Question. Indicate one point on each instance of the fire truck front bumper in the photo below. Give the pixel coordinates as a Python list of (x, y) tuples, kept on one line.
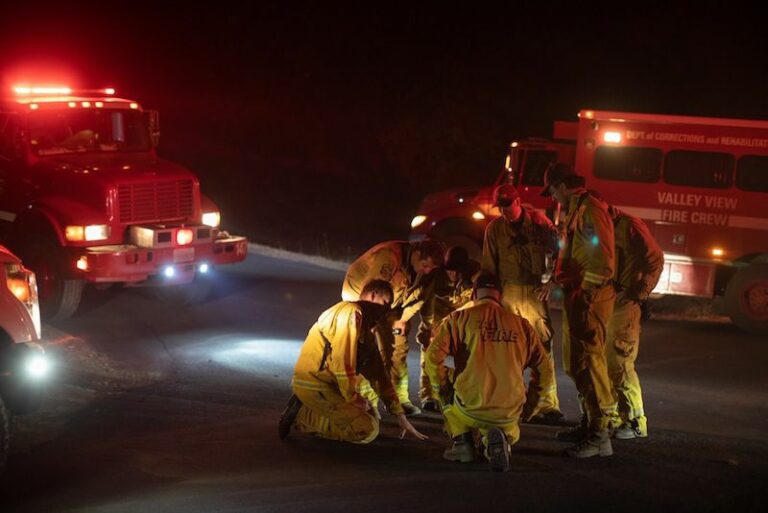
[(133, 264)]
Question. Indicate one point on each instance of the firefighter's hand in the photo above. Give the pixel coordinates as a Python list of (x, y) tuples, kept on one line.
[(544, 291), (407, 427), (400, 328)]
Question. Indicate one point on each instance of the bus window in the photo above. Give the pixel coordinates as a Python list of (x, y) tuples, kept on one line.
[(752, 173), (536, 164), (699, 169), (628, 164)]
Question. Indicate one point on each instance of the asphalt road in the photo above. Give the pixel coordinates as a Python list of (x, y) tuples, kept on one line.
[(160, 408)]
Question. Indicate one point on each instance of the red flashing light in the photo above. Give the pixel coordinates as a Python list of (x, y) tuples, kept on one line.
[(184, 236), (109, 91), (26, 90)]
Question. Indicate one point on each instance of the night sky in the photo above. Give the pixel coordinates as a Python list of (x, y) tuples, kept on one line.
[(319, 126)]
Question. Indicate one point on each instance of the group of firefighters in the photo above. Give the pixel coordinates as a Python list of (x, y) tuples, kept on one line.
[(482, 324)]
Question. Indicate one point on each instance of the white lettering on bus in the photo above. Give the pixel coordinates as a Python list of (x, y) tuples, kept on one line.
[(680, 199), (721, 202), (686, 217)]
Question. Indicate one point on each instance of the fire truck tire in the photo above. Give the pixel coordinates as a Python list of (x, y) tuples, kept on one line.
[(59, 296), (746, 299), (5, 433)]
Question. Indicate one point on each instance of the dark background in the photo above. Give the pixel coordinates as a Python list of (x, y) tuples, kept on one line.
[(319, 126)]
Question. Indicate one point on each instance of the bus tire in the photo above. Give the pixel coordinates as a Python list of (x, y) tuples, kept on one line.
[(746, 298)]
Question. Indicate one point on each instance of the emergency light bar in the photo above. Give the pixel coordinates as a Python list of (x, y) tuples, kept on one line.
[(59, 90)]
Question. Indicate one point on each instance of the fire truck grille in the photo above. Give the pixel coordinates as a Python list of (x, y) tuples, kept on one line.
[(158, 201)]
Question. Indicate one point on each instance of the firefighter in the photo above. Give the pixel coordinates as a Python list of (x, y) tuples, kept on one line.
[(639, 263), (404, 265), (491, 347), (340, 350), (451, 288), (516, 248), (585, 268)]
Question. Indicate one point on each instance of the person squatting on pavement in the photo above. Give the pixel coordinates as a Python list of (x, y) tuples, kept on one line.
[(450, 288), (639, 263), (516, 248), (403, 265), (585, 268), (491, 347), (339, 350)]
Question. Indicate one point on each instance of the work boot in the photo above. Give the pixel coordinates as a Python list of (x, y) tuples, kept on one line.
[(430, 405), (497, 451), (462, 449), (630, 430), (288, 417), (597, 443), (410, 409), (550, 418)]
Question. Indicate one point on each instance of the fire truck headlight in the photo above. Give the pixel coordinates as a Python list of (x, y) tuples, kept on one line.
[(203, 268), (212, 219), (717, 252), (477, 215), (96, 232), (169, 271), (418, 221)]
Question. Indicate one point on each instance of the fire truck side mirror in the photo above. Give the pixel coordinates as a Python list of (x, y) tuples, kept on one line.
[(153, 122)]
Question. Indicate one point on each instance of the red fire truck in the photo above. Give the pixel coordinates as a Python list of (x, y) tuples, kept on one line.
[(701, 184), (84, 198)]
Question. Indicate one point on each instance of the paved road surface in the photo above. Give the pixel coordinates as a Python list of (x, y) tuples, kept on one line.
[(158, 408)]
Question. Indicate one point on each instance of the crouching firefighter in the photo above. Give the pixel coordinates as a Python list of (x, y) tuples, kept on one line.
[(339, 355), (491, 346)]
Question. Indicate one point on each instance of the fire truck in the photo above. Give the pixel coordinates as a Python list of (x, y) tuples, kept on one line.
[(85, 199), (701, 184)]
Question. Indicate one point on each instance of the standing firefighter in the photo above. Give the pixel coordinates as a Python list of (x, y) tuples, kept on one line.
[(639, 262), (340, 350), (450, 289), (515, 248), (585, 268), (403, 265), (491, 347)]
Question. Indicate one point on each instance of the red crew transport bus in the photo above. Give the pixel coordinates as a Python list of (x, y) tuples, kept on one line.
[(701, 184), (84, 199)]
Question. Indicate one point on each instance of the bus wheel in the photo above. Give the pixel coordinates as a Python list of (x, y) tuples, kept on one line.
[(746, 299)]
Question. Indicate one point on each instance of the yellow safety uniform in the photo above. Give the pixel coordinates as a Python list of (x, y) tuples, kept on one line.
[(491, 347), (443, 298), (516, 253), (585, 267), (390, 261), (639, 263), (338, 351)]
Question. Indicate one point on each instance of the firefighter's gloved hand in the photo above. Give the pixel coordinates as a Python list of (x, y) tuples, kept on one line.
[(361, 403), (400, 328), (407, 427)]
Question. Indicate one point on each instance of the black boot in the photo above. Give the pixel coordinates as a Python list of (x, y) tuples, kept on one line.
[(288, 417)]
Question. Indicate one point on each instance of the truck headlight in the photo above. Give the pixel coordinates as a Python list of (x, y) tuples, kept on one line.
[(37, 366), (76, 233), (212, 219), (418, 220)]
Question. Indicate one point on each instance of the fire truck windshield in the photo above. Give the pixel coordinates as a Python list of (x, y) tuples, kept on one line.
[(56, 132)]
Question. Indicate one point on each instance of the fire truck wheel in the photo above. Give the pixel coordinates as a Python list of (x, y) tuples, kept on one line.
[(59, 297), (5, 433), (746, 299)]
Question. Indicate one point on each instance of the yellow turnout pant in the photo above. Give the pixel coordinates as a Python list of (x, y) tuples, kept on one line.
[(458, 422), (622, 346), (327, 415)]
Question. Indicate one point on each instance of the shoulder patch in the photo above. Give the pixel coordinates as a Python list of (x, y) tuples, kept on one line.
[(386, 271)]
